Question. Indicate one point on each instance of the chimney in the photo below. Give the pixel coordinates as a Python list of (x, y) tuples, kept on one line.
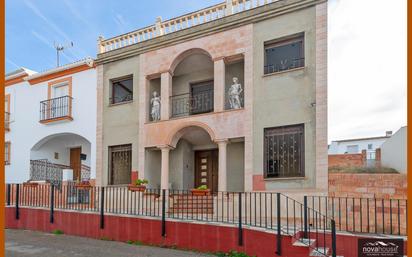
[(389, 133)]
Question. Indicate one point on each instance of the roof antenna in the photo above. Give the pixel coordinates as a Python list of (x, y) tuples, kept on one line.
[(59, 48)]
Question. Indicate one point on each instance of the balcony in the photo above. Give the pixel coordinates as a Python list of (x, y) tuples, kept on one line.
[(191, 104), (7, 121), (56, 109)]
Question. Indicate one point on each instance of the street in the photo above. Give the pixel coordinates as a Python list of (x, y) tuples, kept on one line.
[(21, 243)]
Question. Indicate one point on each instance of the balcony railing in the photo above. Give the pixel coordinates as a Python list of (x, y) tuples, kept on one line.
[(189, 20), (43, 170), (287, 64), (56, 108), (186, 104), (7, 121)]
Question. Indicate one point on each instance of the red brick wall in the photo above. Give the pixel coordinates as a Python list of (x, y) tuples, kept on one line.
[(368, 185), (346, 160)]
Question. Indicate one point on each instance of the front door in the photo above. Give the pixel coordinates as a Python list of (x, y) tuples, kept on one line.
[(75, 162), (206, 169)]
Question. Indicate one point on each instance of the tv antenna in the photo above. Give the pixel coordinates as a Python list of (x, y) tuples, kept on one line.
[(60, 48)]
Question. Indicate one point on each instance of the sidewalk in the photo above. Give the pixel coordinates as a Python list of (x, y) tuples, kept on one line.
[(21, 243)]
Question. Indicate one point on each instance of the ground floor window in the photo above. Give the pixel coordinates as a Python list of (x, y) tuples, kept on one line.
[(120, 164), (7, 146), (284, 151)]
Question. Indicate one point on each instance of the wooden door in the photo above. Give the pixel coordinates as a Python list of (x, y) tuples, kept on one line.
[(75, 162), (206, 169)]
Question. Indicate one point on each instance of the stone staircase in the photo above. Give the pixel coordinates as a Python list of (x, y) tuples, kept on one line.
[(188, 204), (310, 244)]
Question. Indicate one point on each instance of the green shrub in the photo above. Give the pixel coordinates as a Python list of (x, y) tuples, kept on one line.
[(58, 232), (232, 254), (203, 187)]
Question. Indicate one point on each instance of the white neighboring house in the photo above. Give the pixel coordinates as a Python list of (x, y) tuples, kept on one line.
[(351, 146), (51, 123), (394, 151)]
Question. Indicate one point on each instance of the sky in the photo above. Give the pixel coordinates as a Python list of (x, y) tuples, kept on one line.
[(366, 54)]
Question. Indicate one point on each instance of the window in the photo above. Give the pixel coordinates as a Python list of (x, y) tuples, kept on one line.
[(7, 150), (352, 149), (7, 113), (284, 54), (120, 164), (284, 151), (122, 90), (370, 146)]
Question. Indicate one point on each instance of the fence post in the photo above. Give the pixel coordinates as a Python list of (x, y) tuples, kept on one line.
[(279, 231), (163, 212), (333, 224), (102, 207), (52, 203), (8, 194), (305, 216), (17, 201), (240, 230)]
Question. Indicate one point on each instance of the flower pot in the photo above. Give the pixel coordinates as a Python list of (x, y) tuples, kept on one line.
[(30, 184), (200, 192), (135, 188), (83, 186)]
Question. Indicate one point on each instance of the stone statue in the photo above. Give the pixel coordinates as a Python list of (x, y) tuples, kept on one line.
[(234, 94), (155, 103)]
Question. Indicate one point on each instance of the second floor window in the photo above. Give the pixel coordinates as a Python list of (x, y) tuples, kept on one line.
[(284, 54), (122, 90)]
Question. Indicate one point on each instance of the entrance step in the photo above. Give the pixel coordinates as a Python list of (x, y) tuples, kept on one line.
[(320, 251)]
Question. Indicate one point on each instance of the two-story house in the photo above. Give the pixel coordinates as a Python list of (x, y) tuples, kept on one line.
[(233, 97), (51, 123)]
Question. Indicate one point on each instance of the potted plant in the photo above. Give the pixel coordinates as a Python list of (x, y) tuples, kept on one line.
[(83, 185), (30, 184), (200, 191), (139, 185)]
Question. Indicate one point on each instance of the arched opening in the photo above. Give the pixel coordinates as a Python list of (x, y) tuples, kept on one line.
[(192, 85), (193, 161), (61, 157)]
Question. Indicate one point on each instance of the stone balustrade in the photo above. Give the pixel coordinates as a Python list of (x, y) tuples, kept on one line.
[(182, 22)]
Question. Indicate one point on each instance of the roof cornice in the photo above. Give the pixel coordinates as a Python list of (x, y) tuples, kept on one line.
[(225, 23)]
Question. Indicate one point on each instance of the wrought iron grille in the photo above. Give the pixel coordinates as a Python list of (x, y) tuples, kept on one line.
[(85, 173), (43, 170), (187, 104), (120, 164), (284, 151), (56, 108)]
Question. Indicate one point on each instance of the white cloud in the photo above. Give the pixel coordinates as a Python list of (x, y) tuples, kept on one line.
[(367, 67)]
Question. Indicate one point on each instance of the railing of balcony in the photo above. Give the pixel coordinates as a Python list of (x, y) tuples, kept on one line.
[(189, 20), (287, 64), (55, 108), (7, 121), (43, 170), (187, 104)]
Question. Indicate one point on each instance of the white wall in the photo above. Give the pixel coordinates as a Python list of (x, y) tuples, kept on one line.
[(26, 131), (337, 147), (394, 151)]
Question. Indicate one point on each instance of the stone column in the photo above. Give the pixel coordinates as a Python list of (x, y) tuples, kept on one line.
[(229, 6), (222, 169), (219, 85), (165, 93), (164, 180)]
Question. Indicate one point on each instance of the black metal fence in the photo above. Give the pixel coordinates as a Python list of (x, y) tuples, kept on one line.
[(272, 211), (56, 108), (364, 215), (187, 104)]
